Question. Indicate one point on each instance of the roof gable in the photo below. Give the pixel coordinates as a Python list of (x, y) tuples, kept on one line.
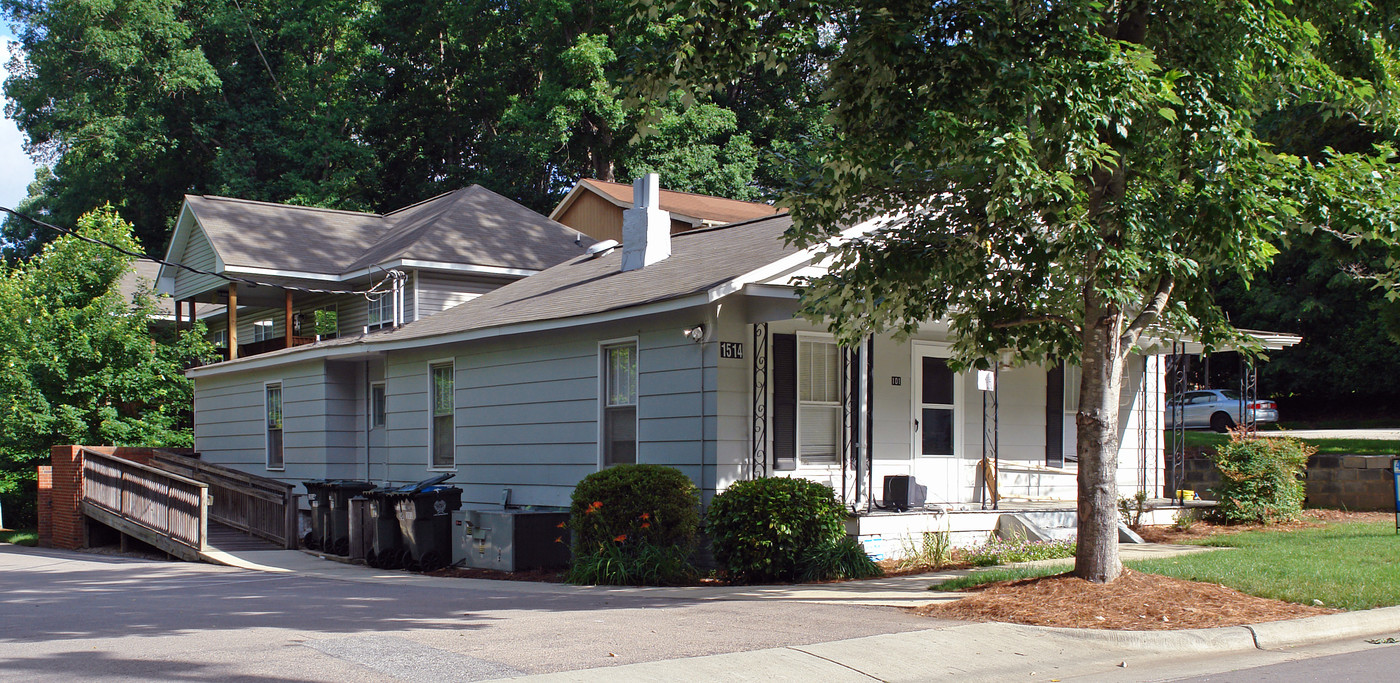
[(699, 207)]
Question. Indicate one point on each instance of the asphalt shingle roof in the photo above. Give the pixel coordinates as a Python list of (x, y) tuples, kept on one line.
[(704, 207), (472, 226)]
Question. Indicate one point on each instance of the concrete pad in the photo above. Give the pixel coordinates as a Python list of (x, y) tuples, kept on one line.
[(777, 664), (1279, 634)]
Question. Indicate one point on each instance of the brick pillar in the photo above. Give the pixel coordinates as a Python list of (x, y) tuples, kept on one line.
[(45, 506), (65, 512)]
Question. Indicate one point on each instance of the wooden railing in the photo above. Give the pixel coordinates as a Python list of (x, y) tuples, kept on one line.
[(172, 506), (257, 505)]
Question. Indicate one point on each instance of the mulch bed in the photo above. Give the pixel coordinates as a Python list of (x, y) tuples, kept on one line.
[(1135, 602)]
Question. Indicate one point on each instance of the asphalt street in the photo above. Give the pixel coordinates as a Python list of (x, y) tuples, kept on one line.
[(65, 615)]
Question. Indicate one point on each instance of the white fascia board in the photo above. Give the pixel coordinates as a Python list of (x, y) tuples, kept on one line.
[(371, 346), (771, 291), (401, 263), (789, 264), (165, 277)]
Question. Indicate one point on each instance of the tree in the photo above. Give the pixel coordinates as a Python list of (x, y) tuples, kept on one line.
[(81, 364), (1069, 178)]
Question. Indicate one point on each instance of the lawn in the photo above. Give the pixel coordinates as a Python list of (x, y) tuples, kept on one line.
[(19, 537), (1344, 565), (1195, 437)]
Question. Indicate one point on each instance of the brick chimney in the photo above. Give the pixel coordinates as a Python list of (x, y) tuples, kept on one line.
[(646, 229)]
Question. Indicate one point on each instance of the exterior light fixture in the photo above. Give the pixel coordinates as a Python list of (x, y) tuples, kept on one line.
[(695, 334)]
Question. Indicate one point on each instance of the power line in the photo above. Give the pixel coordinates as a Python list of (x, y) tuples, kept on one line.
[(391, 275)]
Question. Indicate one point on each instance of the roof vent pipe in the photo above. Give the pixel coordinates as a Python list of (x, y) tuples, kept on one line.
[(646, 229)]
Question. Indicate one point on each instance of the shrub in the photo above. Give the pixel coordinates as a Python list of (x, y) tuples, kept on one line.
[(1260, 479), (1005, 551), (628, 517), (616, 564), (844, 559), (765, 529), (928, 549)]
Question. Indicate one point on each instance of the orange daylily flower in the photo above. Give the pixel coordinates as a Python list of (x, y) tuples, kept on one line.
[(560, 525), (646, 515), (621, 538), (559, 539), (646, 524)]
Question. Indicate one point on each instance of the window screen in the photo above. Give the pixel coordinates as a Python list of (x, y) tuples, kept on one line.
[(444, 455), (619, 404), (818, 401), (273, 400)]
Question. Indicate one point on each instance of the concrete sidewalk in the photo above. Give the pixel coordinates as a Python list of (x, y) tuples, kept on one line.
[(899, 591), (993, 652)]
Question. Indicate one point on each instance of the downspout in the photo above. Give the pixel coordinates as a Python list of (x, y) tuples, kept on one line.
[(869, 422), (369, 419)]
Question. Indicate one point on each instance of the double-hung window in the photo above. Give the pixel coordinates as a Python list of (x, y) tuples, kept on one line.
[(443, 439), (619, 404), (262, 330), (381, 310), (818, 401), (273, 403), (1073, 374)]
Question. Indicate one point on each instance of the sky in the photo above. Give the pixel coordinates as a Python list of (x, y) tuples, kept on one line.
[(16, 169)]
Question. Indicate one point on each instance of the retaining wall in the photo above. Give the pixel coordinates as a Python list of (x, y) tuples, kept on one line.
[(1352, 482)]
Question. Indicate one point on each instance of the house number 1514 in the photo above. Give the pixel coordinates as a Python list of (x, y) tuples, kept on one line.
[(731, 350)]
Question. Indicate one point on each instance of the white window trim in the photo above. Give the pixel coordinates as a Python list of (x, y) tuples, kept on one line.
[(268, 324), (802, 464), (385, 404), (452, 363), (267, 457), (1069, 436), (603, 394), (918, 349)]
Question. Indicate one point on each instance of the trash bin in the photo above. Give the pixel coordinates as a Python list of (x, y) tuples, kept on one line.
[(330, 513), (385, 543), (425, 521)]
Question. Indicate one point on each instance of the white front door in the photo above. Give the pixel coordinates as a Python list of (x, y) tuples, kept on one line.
[(938, 419)]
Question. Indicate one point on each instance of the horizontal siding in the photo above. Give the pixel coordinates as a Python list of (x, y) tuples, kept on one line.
[(198, 253), (438, 292)]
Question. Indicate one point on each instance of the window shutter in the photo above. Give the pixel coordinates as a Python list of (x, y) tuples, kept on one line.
[(784, 401), (1055, 417)]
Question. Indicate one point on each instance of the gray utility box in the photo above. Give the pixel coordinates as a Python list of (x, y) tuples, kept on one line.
[(510, 540)]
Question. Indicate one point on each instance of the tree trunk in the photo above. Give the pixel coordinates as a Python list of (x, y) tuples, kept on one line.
[(1100, 384)]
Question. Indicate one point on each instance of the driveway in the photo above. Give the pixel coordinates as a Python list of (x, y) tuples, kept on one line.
[(65, 615)]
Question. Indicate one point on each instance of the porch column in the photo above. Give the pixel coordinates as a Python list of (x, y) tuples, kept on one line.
[(232, 321), (287, 337), (179, 315)]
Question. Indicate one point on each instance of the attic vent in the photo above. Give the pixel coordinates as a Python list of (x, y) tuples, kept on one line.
[(602, 248)]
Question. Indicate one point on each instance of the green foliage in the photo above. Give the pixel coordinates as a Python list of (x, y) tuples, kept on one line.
[(1260, 479), (362, 105), (617, 564), (930, 549), (627, 516), (327, 323), (1132, 510), (83, 365), (844, 559), (1005, 551), (21, 537), (766, 529)]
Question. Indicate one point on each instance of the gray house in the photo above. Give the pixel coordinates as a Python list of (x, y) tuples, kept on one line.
[(680, 350), (367, 271)]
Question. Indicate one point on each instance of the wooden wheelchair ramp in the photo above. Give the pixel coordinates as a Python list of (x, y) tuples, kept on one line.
[(187, 508)]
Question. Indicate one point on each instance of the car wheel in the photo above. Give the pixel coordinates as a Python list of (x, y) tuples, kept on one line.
[(1221, 422)]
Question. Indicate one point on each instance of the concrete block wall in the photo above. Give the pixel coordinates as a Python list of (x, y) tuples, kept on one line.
[(1352, 482)]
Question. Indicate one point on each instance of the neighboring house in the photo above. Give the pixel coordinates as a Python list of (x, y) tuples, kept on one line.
[(682, 351), (450, 249), (142, 278), (594, 208)]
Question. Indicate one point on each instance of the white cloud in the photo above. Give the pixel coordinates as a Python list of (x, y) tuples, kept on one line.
[(16, 169)]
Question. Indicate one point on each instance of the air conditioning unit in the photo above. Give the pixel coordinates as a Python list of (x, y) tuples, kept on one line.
[(903, 493), (510, 540)]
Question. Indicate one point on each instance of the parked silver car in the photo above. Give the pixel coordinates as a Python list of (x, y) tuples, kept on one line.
[(1218, 409)]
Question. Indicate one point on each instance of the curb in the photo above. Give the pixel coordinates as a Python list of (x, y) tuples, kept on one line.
[(1280, 634)]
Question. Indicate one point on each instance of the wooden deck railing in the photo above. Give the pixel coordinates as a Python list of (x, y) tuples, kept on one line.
[(257, 505), (170, 505)]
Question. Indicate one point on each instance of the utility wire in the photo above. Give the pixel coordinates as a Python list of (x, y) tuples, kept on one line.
[(392, 275), (258, 47)]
